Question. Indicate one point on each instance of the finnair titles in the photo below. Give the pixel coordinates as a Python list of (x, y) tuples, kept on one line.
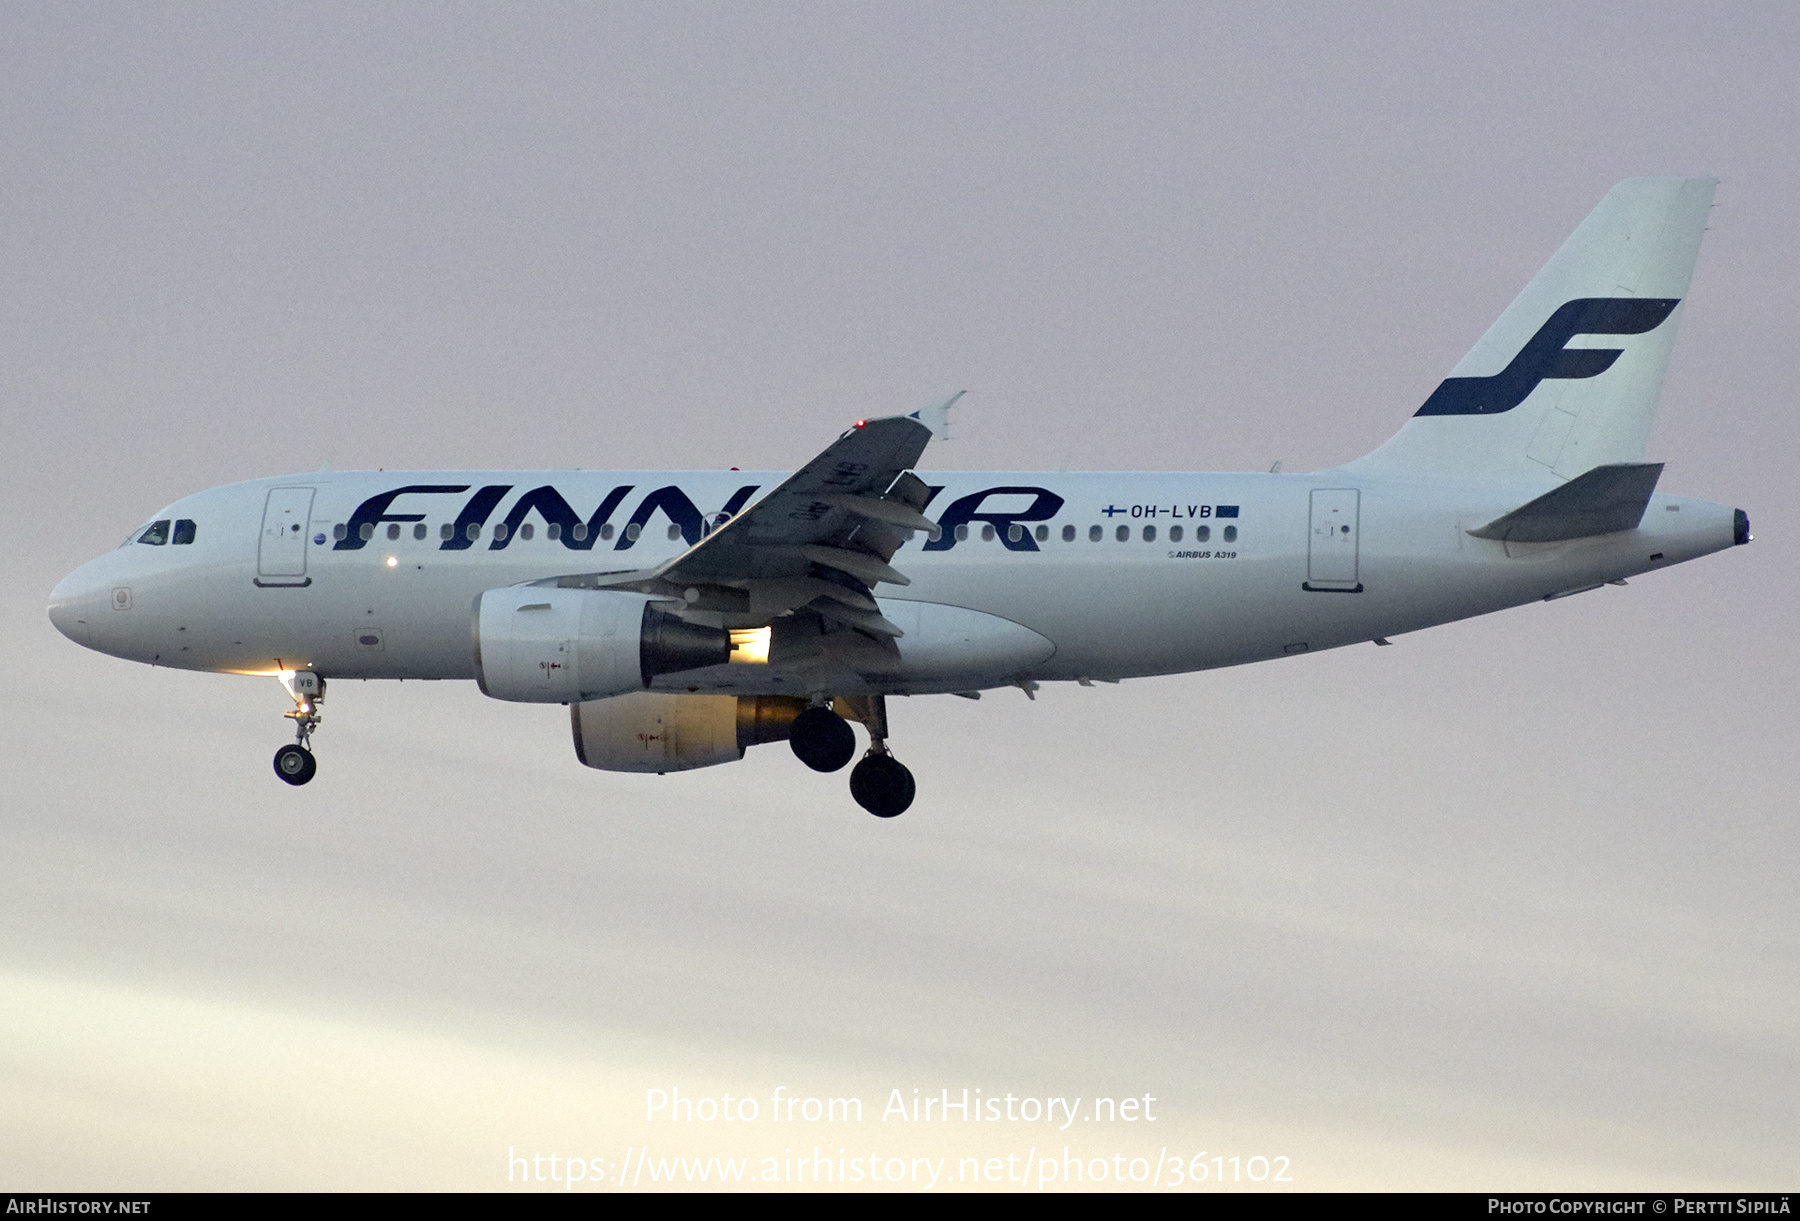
[(684, 617)]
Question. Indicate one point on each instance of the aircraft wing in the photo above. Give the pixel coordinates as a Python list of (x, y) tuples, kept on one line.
[(822, 539)]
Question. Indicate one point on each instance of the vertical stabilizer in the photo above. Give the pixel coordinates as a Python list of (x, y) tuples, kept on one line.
[(1568, 378)]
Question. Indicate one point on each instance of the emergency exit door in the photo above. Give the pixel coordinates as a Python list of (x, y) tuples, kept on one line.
[(281, 554), (1331, 552)]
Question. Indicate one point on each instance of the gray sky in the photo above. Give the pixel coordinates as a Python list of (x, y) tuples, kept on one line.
[(1510, 904)]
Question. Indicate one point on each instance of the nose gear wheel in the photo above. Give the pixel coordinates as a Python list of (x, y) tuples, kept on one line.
[(295, 764)]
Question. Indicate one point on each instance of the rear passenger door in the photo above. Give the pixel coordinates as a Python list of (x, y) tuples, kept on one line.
[(1331, 551)]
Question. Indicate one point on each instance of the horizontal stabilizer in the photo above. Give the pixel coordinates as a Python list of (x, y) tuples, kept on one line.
[(1604, 501)]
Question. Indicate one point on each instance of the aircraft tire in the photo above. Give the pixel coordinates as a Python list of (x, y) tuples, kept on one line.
[(822, 739), (882, 785), (295, 764)]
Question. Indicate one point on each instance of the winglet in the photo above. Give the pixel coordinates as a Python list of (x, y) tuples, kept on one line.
[(937, 416)]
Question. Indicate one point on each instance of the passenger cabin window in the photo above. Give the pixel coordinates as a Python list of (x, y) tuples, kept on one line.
[(366, 531), (962, 533), (1043, 532), (419, 530), (1093, 534), (1068, 534), (553, 531), (340, 531), (987, 533), (606, 531), (500, 533), (1149, 534), (1202, 533), (1231, 534), (526, 530), (156, 534), (633, 530), (184, 531), (446, 532), (1174, 534), (674, 532), (393, 532), (1122, 533)]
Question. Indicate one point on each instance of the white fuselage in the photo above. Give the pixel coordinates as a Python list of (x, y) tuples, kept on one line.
[(1213, 570)]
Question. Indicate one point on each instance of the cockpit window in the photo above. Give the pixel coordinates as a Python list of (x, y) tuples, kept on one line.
[(156, 535), (184, 531)]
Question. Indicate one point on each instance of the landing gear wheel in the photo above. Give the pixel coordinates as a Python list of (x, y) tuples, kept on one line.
[(882, 785), (295, 764), (822, 739)]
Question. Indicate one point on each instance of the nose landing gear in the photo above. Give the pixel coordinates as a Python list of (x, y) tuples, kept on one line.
[(295, 764)]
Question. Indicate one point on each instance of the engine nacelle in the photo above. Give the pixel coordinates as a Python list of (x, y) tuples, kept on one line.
[(648, 731), (562, 646)]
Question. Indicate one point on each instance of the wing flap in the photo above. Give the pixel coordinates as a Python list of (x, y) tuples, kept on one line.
[(893, 512), (867, 621), (868, 569)]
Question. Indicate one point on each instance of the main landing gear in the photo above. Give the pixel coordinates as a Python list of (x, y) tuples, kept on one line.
[(881, 784), (295, 764), (824, 741)]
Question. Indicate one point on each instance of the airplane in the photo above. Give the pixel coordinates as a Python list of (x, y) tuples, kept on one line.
[(684, 617)]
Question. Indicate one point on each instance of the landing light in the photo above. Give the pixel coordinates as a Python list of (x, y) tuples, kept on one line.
[(392, 561), (750, 646)]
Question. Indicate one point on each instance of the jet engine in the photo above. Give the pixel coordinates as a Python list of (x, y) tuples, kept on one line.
[(648, 731), (562, 646)]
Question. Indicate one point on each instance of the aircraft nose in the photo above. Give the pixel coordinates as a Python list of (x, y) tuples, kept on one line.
[(75, 603)]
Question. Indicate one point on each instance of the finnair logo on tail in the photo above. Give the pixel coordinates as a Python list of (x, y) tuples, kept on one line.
[(1546, 355)]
